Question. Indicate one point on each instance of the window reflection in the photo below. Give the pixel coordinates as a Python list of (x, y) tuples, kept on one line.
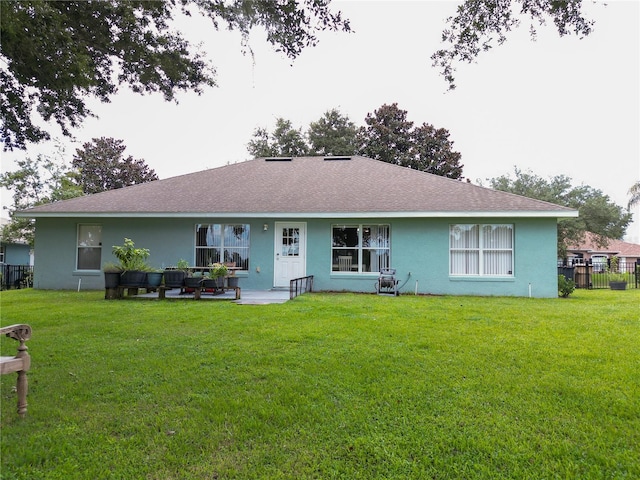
[(220, 243), (360, 248)]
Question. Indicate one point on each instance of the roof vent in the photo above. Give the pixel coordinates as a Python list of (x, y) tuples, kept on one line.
[(331, 159), (278, 159)]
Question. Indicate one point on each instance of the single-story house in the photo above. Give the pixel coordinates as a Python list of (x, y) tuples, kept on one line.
[(14, 252), (590, 251), (15, 261), (340, 219)]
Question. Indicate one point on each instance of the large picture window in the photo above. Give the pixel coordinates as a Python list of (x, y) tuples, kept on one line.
[(219, 243), (360, 248), (89, 247), (482, 250)]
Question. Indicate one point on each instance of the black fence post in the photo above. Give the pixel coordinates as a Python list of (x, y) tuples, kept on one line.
[(567, 271), (16, 276)]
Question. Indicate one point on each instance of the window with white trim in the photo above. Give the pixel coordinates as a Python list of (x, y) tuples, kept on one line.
[(360, 248), (481, 249), (1, 253), (220, 243), (89, 247), (599, 263)]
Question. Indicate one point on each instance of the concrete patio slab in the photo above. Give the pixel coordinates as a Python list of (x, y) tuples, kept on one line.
[(248, 297)]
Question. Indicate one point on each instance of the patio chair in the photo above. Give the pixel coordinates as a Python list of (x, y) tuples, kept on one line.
[(344, 263)]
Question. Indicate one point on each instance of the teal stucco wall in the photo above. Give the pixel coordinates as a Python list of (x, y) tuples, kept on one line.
[(419, 253), (16, 253)]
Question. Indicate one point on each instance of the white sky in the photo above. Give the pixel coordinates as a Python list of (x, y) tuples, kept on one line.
[(553, 106)]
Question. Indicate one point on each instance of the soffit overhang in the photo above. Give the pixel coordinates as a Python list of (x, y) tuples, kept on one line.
[(447, 214)]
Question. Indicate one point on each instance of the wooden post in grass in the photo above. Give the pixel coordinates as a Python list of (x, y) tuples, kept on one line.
[(112, 293)]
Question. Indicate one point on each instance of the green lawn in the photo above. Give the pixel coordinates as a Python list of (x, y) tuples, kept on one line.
[(326, 386)]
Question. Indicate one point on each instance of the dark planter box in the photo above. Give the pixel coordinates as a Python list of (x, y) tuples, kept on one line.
[(209, 283), (154, 279), (111, 279), (618, 285), (174, 278), (133, 278), (232, 281), (193, 282)]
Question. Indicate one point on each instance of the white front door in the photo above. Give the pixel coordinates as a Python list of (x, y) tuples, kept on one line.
[(291, 252)]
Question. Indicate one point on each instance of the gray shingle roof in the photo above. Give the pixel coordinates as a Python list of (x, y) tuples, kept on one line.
[(303, 186)]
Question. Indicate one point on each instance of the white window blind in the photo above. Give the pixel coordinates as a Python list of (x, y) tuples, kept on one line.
[(484, 250)]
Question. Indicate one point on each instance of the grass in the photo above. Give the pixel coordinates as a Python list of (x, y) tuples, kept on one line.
[(326, 386)]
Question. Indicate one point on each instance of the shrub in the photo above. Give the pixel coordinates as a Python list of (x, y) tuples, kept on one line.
[(217, 270), (130, 257), (565, 286), (614, 273)]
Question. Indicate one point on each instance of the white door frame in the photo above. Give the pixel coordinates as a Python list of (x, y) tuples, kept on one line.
[(292, 264)]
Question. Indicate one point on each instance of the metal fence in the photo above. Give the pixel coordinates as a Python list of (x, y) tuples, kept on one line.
[(599, 275), (298, 286), (16, 276)]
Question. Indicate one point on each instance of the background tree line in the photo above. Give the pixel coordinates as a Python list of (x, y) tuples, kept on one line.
[(598, 214), (98, 166), (101, 165), (387, 136)]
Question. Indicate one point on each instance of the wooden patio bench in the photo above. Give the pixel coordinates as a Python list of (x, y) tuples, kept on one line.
[(20, 363)]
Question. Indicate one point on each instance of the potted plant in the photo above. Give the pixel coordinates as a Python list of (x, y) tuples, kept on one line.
[(617, 280), (215, 277), (112, 272), (154, 278), (174, 277), (194, 280), (133, 263), (232, 280)]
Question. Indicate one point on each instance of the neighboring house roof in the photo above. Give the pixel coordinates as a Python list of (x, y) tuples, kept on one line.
[(304, 187), (615, 247)]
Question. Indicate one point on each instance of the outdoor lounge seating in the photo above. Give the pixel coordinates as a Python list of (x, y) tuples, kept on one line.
[(20, 363)]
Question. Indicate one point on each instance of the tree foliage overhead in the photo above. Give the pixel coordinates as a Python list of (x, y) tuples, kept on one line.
[(479, 25), (55, 54), (597, 213), (100, 165)]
